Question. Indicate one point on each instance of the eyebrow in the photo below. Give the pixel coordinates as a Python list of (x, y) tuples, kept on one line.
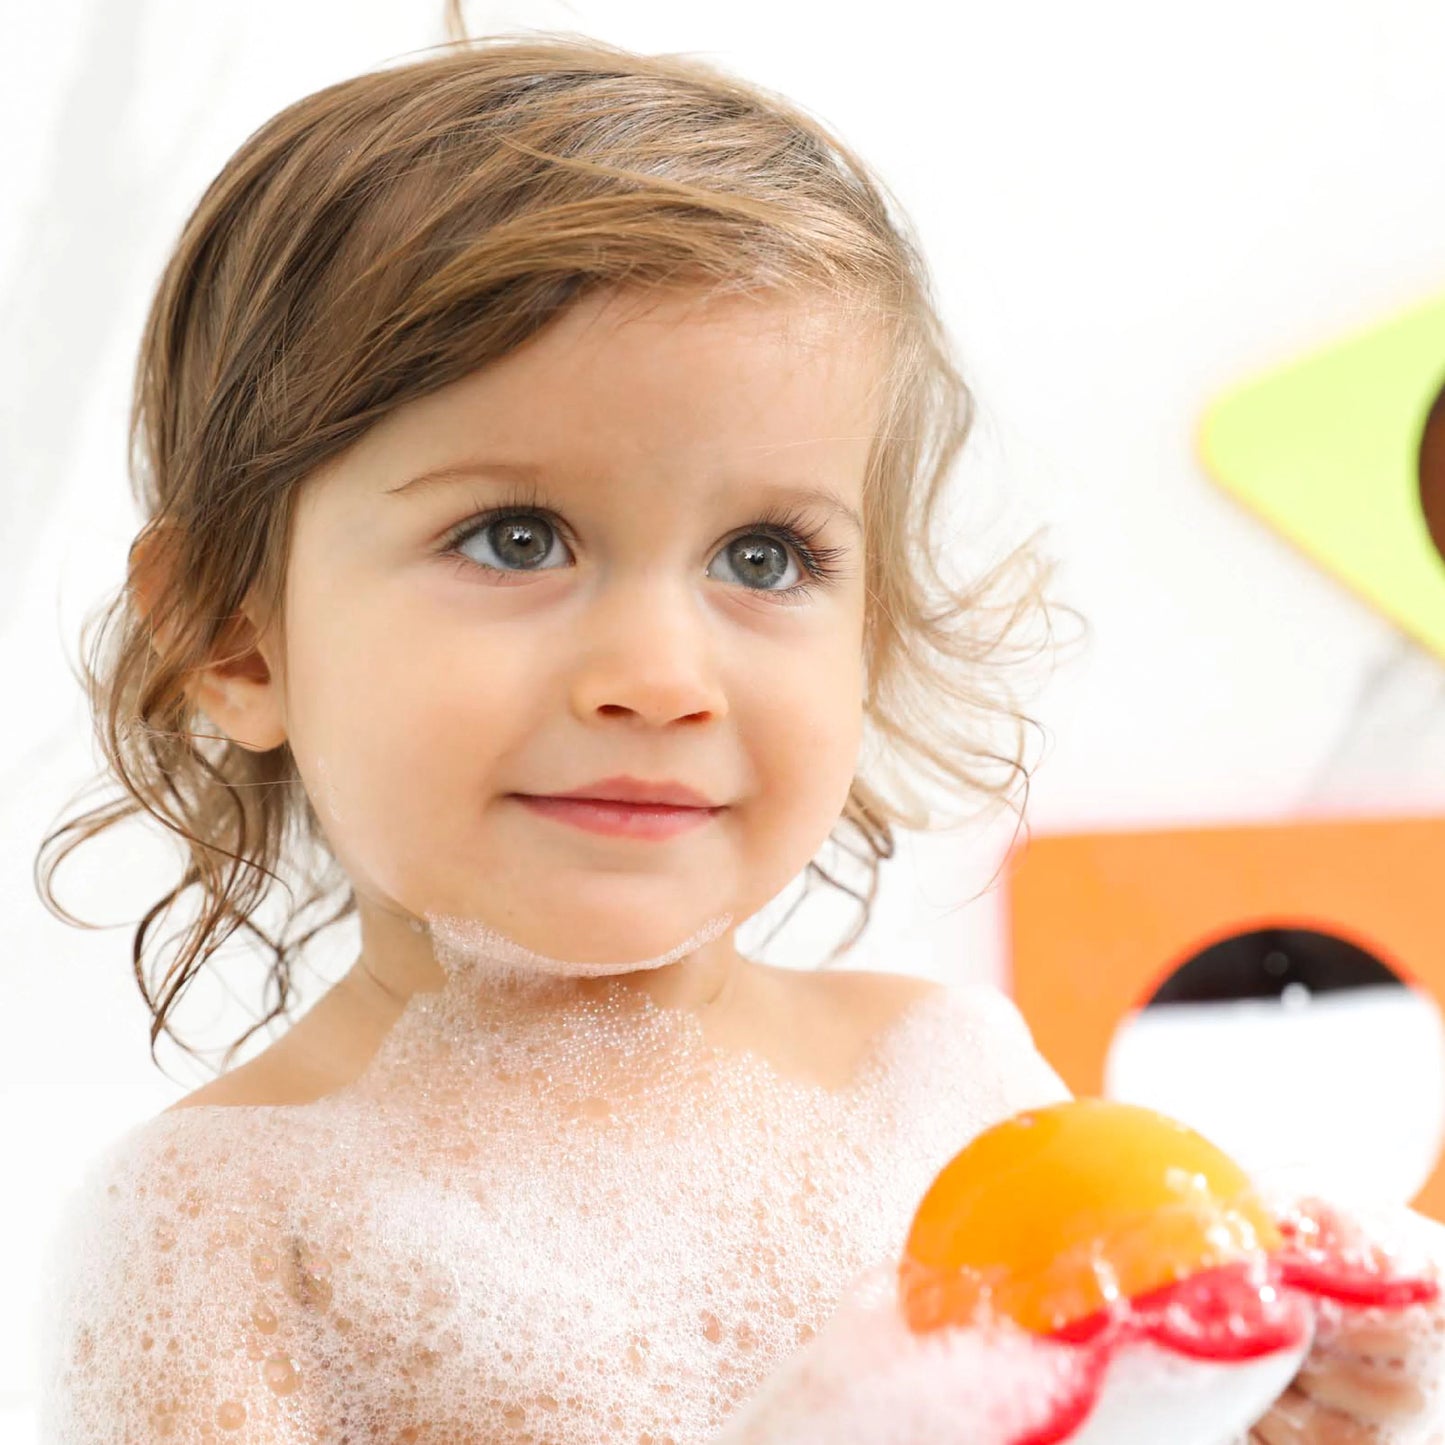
[(820, 497)]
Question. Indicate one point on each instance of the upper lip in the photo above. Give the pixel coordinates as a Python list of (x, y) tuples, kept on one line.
[(623, 789)]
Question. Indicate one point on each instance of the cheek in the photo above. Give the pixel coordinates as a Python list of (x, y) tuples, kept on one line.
[(801, 788), (804, 737), (402, 737)]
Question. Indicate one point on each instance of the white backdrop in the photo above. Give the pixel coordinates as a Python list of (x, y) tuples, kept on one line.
[(1127, 207)]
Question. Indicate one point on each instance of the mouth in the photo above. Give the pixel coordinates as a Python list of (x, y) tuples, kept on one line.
[(608, 816)]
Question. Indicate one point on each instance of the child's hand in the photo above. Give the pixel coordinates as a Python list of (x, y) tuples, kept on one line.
[(1373, 1376)]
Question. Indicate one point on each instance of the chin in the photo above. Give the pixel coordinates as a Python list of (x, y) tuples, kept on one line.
[(463, 940)]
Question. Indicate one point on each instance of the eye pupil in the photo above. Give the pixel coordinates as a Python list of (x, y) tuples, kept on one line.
[(533, 538), (754, 552)]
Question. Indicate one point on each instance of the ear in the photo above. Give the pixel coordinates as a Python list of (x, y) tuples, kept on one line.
[(238, 689)]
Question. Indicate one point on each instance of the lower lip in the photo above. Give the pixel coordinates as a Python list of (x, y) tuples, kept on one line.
[(624, 820)]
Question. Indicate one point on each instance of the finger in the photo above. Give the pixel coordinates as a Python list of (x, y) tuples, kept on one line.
[(1296, 1419), (1414, 1338), (1373, 1393), (1383, 1343)]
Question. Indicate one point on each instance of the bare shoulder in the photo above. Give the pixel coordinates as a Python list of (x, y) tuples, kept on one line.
[(243, 1085), (861, 1004), (266, 1080), (875, 1000), (323, 1050)]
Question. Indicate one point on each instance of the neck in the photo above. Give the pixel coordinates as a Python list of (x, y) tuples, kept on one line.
[(402, 956)]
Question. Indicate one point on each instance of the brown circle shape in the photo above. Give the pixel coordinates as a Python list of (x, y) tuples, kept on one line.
[(1432, 471)]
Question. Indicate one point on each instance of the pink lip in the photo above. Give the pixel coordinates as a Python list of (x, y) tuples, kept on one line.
[(621, 788), (629, 820)]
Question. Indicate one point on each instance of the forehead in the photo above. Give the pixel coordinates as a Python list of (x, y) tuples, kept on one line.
[(797, 322), (622, 384), (677, 364)]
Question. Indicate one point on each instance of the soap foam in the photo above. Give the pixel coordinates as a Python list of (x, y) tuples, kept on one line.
[(867, 1379), (465, 945), (572, 1225)]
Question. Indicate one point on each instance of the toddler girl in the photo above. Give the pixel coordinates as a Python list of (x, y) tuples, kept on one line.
[(541, 449)]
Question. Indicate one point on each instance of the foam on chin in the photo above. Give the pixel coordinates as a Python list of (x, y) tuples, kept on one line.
[(466, 946)]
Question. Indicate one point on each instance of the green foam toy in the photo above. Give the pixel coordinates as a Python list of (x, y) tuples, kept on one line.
[(1344, 454)]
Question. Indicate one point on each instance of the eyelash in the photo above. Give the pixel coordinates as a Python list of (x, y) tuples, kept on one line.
[(777, 521)]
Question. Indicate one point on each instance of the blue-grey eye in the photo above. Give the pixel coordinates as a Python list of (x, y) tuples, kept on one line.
[(518, 542), (758, 560)]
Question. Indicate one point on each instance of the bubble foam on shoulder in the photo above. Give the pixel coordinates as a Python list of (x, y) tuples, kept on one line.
[(573, 1226)]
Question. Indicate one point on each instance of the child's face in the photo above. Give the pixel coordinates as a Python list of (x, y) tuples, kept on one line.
[(641, 635)]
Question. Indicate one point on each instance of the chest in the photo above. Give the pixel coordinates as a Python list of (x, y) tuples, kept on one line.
[(654, 1273)]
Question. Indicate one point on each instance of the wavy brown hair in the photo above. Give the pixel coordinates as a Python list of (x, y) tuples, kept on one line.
[(390, 234)]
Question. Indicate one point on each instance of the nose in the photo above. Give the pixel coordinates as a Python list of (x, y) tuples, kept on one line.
[(646, 651)]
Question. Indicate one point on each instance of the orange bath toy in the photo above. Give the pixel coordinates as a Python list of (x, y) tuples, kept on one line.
[(1114, 1231)]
